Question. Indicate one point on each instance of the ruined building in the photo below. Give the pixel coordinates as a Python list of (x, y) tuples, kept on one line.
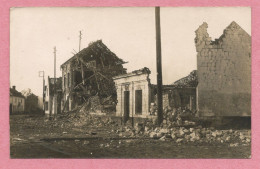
[(181, 93), (87, 77), (224, 72), (177, 95), (136, 95), (133, 94)]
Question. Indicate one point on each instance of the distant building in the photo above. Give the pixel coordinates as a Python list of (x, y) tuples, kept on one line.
[(224, 72), (17, 101), (31, 102), (51, 102)]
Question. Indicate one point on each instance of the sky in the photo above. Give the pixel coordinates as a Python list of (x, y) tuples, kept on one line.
[(129, 32)]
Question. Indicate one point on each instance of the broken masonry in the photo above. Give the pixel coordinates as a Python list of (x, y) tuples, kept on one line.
[(87, 78)]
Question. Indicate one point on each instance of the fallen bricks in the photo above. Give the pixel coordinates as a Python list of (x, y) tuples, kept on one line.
[(186, 135), (167, 132), (170, 132)]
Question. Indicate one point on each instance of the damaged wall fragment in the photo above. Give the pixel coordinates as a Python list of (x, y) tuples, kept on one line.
[(224, 72)]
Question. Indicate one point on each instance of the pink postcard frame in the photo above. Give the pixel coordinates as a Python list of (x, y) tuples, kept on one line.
[(6, 162)]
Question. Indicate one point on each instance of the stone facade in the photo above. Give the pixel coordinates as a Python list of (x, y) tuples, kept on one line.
[(128, 87), (224, 72)]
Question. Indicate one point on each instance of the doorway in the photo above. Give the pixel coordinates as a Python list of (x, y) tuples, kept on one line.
[(11, 108), (138, 101), (126, 105)]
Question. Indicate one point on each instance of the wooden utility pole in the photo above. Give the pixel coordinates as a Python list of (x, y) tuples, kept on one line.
[(41, 74), (80, 37), (55, 69), (159, 65), (81, 66), (55, 94)]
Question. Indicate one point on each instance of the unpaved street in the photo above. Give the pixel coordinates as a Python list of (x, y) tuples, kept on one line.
[(39, 137)]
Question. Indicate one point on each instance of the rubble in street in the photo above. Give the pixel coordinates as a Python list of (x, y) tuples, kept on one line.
[(107, 133), (185, 135), (172, 129), (167, 132)]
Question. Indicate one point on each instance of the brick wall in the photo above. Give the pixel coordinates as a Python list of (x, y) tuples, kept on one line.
[(224, 72)]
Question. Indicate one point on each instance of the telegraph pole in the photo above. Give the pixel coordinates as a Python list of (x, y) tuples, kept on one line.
[(41, 74), (80, 37), (55, 69), (54, 94), (81, 66), (159, 65)]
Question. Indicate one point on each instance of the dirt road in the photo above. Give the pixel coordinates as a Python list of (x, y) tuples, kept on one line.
[(38, 137)]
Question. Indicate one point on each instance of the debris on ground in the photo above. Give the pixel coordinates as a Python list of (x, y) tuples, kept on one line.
[(93, 125), (92, 132)]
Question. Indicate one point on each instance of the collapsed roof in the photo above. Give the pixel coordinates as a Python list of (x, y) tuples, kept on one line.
[(189, 81), (94, 50), (91, 71)]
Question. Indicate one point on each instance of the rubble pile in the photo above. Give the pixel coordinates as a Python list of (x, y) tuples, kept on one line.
[(189, 135), (95, 105), (84, 118)]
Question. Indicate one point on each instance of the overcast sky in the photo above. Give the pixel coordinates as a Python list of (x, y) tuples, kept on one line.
[(128, 32)]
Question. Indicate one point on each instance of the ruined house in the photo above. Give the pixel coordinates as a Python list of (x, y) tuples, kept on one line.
[(133, 94), (52, 102), (180, 94), (224, 72), (87, 76)]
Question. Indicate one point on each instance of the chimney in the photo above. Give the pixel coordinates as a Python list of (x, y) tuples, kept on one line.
[(14, 87)]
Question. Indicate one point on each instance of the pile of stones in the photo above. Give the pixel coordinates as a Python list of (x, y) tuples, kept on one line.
[(197, 134)]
